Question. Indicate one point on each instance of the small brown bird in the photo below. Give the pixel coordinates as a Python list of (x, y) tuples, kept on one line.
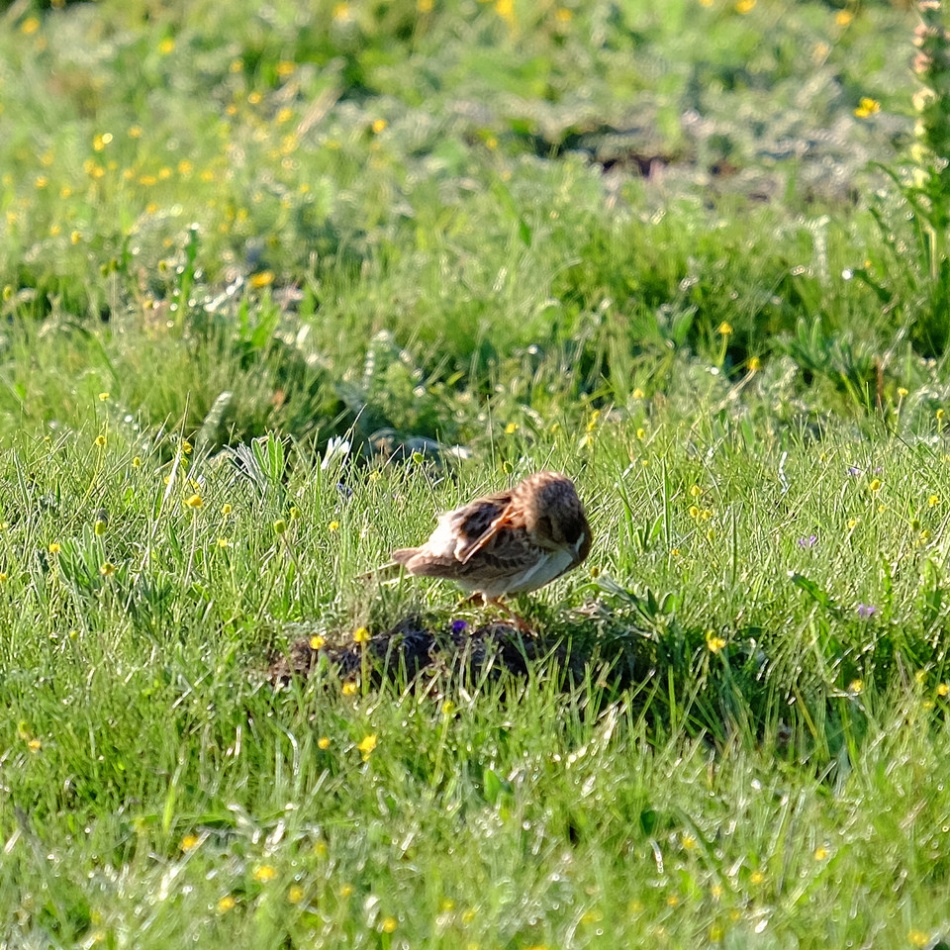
[(508, 543)]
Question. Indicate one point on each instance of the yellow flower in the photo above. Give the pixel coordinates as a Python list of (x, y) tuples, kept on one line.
[(100, 528), (844, 17), (263, 279), (226, 509), (856, 686), (933, 500), (29, 26), (333, 526), (295, 894), (506, 10), (756, 877), (724, 328), (389, 925), (280, 526), (379, 125), (939, 415), (100, 141), (695, 491), (641, 433), (350, 688), (943, 690), (745, 6), (867, 107), (286, 68), (425, 6), (195, 501), (875, 485), (688, 842), (323, 743), (852, 523), (341, 12), (346, 890), (224, 543), (361, 635), (918, 938), (714, 642), (107, 569), (693, 511), (366, 745), (34, 745), (511, 428), (264, 873), (101, 441), (754, 364), (4, 577), (316, 642), (821, 853), (638, 393), (166, 46), (563, 15), (189, 842), (55, 548), (901, 392), (226, 903)]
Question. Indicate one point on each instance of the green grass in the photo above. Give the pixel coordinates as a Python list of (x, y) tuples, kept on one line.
[(233, 236)]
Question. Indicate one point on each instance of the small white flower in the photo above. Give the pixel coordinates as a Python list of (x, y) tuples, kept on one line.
[(337, 451)]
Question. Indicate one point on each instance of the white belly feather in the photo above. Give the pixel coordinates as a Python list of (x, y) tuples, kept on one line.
[(552, 564)]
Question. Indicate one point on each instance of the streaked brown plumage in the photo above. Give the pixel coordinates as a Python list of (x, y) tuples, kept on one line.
[(508, 543)]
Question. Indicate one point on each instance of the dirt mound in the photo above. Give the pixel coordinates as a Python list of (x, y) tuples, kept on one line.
[(412, 647)]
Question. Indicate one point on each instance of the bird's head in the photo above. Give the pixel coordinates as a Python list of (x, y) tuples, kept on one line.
[(554, 513)]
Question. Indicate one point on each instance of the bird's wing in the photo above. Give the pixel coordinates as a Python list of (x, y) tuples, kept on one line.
[(477, 524)]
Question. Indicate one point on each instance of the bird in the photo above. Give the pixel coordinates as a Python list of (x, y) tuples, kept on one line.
[(511, 542)]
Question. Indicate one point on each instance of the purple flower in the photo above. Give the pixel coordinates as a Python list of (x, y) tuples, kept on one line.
[(459, 626), (808, 542), (866, 611), (855, 471)]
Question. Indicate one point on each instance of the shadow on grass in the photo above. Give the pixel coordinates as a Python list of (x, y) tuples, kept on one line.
[(721, 685), (600, 654)]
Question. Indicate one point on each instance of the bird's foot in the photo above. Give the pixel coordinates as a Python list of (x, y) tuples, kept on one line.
[(520, 624)]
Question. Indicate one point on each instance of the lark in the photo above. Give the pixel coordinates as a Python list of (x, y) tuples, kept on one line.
[(511, 542)]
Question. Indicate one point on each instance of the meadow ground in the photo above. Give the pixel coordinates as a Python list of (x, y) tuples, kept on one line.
[(280, 284)]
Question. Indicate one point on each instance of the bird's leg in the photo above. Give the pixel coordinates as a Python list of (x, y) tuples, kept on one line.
[(478, 599), (520, 623)]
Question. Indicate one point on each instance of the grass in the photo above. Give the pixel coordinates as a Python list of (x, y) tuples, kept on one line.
[(472, 240)]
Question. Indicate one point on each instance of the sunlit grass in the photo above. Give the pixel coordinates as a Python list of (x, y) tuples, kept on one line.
[(279, 288)]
